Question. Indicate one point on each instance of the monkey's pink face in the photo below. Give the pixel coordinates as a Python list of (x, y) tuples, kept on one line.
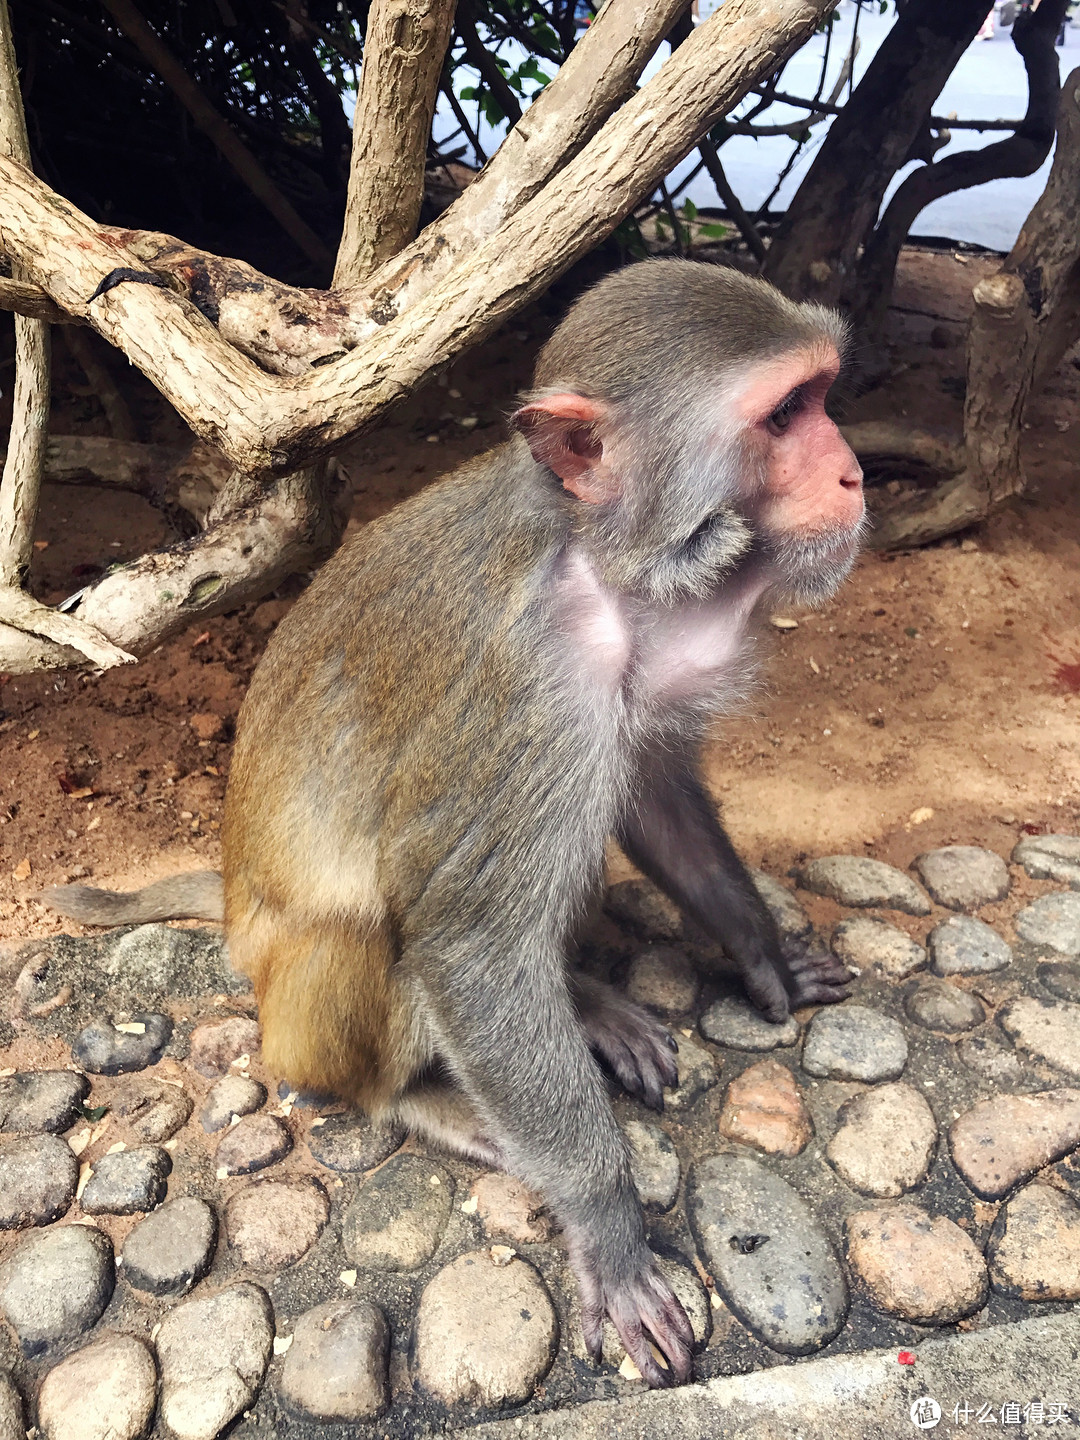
[(812, 481)]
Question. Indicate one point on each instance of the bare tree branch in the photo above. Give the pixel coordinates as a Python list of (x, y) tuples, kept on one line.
[(27, 299), (404, 50)]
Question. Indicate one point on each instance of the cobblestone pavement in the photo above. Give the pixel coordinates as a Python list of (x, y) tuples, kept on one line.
[(890, 1186)]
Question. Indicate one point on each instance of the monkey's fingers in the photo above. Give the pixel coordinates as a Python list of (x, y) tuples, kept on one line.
[(667, 1358), (820, 978)]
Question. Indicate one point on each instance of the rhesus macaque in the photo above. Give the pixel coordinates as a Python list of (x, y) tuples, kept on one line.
[(482, 686)]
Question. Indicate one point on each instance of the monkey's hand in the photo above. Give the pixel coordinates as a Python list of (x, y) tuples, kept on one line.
[(637, 1048), (644, 1310), (819, 978)]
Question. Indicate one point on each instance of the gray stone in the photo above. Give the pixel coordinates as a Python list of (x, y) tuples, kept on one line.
[(698, 1072), (216, 1044), (1003, 1141), (485, 1332), (272, 1224), (885, 1140), (35, 1102), (1034, 1250), (56, 1284), (213, 1352), (852, 1042), (791, 919), (1050, 857), (148, 958), (654, 1162), (861, 882), (771, 1259), (964, 877), (921, 1267), (104, 1050), (937, 1005), (105, 1391), (12, 1421), (876, 945), (1047, 1029), (38, 1175), (232, 1095), (399, 1215), (639, 906), (663, 979), (1052, 922), (253, 1143), (990, 1059), (172, 1249), (152, 1110), (1062, 979), (336, 1366), (734, 1022), (352, 1143), (127, 1182), (963, 945)]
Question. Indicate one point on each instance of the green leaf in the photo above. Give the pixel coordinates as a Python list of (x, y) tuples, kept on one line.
[(713, 232), (689, 209), (93, 1113)]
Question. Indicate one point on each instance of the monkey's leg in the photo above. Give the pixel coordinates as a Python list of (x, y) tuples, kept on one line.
[(437, 1110), (637, 1047), (671, 832)]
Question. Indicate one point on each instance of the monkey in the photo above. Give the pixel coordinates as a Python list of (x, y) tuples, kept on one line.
[(486, 683)]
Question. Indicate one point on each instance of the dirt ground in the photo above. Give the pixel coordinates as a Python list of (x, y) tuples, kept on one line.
[(936, 699)]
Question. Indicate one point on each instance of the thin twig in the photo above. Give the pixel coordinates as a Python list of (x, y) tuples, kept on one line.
[(732, 203)]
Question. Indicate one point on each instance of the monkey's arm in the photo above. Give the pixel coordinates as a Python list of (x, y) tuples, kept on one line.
[(671, 832), (505, 1023)]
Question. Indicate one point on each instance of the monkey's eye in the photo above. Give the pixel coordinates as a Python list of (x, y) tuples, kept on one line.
[(785, 412)]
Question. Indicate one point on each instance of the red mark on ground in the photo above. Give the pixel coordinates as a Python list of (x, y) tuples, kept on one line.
[(906, 1358)]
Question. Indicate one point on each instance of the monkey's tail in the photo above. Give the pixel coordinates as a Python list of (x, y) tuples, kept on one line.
[(195, 895)]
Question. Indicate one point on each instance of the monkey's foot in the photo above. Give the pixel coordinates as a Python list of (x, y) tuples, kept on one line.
[(636, 1047), (820, 978), (642, 1307)]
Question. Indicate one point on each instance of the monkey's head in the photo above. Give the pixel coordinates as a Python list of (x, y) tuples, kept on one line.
[(682, 408)]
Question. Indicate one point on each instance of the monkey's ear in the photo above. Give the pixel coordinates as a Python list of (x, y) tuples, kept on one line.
[(562, 434)]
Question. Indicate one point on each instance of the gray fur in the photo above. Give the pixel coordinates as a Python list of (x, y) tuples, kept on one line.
[(196, 895)]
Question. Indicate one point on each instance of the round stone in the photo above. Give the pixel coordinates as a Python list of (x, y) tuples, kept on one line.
[(791, 919), (654, 1163), (215, 1045), (56, 1284), (639, 906), (127, 1182), (213, 1351), (876, 945), (485, 1332), (272, 1224), (152, 1110), (507, 1208), (36, 1102), (990, 1059), (399, 1215), (104, 1049), (1062, 979), (663, 980), (764, 1107), (1006, 1139), (853, 1042), (232, 1095), (253, 1143), (964, 877), (12, 1421), (1047, 1029), (923, 1268), (1052, 922), (1034, 1250), (1050, 857), (105, 1391), (885, 1140), (38, 1176), (698, 1072), (352, 1143), (937, 1005), (770, 1256), (858, 881), (172, 1249), (962, 945), (336, 1366), (733, 1022)]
